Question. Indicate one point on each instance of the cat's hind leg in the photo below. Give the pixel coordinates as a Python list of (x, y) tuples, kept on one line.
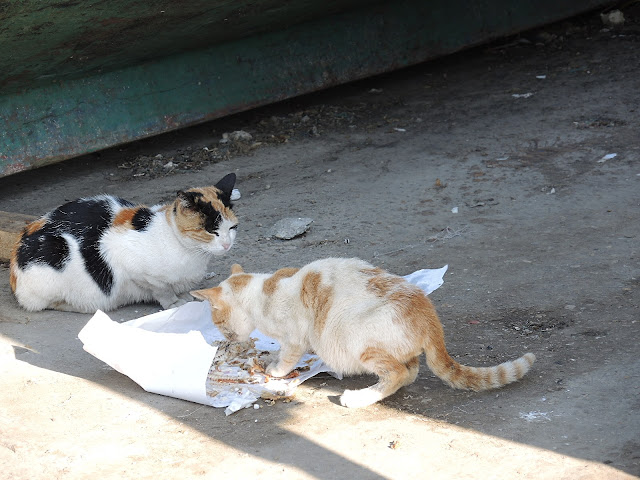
[(413, 367), (37, 296), (392, 374)]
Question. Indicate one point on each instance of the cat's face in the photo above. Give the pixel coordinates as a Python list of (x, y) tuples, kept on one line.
[(204, 216), (226, 312)]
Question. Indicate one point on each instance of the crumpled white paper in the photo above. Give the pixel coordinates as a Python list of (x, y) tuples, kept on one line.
[(427, 279), (170, 352)]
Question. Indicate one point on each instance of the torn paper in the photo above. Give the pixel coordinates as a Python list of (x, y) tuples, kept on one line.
[(608, 156), (180, 353), (427, 279), (172, 353)]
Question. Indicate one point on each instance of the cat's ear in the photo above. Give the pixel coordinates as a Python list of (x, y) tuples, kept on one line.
[(226, 187), (210, 294), (235, 268)]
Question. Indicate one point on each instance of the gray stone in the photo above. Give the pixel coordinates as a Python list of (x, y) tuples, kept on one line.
[(289, 228)]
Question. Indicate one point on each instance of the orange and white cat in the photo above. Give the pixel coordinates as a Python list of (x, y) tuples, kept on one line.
[(356, 318)]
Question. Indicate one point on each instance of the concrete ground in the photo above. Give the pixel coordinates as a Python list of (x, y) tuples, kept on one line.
[(543, 255)]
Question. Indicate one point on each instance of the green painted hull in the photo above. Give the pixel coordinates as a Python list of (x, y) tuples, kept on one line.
[(77, 77)]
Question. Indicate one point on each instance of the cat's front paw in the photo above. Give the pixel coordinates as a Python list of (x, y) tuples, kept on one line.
[(274, 371), (177, 303), (186, 296)]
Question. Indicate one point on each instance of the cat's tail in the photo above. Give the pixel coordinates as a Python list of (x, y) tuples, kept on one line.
[(474, 378)]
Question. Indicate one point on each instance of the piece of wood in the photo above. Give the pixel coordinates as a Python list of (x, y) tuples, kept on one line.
[(11, 225)]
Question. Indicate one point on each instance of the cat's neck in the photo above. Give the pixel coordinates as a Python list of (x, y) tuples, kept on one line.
[(253, 298)]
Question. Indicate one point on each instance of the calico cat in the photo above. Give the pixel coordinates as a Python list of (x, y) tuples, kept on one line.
[(104, 252), (356, 318)]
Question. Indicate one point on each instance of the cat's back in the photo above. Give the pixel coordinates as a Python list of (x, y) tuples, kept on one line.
[(342, 271), (355, 283), (335, 266), (346, 278), (45, 241)]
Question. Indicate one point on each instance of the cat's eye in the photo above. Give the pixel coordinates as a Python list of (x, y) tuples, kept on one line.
[(235, 227)]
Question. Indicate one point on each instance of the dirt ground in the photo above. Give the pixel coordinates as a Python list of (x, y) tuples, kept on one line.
[(543, 256)]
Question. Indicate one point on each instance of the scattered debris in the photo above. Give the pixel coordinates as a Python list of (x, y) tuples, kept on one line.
[(535, 416), (289, 228), (527, 322), (599, 122), (308, 122), (375, 90), (614, 18), (522, 95), (237, 136), (446, 234), (235, 194), (608, 156), (180, 161), (393, 444), (454, 210), (541, 77), (543, 38), (482, 203)]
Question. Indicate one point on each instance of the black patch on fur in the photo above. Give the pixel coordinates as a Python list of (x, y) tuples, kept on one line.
[(142, 218), (189, 198), (212, 220), (84, 219), (43, 247), (123, 203), (212, 217)]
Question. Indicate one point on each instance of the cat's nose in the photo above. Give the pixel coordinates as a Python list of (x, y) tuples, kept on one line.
[(226, 246)]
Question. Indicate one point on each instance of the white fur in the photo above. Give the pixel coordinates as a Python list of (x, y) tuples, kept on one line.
[(158, 263)]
